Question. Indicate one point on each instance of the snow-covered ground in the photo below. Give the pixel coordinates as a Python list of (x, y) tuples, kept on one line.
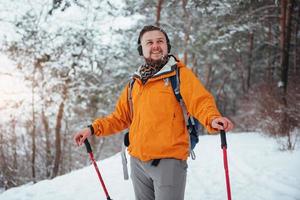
[(258, 171)]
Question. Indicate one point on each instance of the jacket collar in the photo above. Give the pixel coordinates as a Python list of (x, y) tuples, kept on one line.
[(166, 69)]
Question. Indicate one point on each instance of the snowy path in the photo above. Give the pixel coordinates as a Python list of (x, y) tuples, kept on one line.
[(258, 171)]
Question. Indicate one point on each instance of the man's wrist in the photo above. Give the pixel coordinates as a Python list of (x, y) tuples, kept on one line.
[(91, 129)]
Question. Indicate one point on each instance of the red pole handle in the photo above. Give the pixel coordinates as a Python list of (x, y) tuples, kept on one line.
[(224, 147)]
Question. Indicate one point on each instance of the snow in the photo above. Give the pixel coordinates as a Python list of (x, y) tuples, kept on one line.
[(257, 170), (12, 86)]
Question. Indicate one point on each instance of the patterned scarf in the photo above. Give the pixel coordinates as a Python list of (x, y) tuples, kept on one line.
[(151, 67)]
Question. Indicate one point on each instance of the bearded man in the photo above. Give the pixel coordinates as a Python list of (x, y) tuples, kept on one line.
[(158, 138)]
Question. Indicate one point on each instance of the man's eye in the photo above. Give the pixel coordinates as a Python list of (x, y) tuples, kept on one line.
[(149, 43)]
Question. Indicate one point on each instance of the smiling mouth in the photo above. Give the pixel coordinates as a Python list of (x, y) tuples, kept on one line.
[(156, 53)]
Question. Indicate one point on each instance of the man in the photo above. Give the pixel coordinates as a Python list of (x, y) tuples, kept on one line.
[(156, 121)]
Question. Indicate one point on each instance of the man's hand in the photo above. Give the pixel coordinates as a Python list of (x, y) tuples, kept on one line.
[(81, 136), (227, 124)]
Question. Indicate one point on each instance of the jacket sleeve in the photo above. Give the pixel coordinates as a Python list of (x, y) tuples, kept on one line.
[(117, 121), (199, 102)]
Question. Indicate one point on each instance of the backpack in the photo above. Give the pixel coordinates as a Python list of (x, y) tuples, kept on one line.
[(193, 125)]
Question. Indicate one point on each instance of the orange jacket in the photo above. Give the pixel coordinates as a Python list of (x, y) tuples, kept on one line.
[(157, 129)]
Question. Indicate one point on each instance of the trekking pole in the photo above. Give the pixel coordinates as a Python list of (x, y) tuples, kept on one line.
[(89, 150), (224, 147)]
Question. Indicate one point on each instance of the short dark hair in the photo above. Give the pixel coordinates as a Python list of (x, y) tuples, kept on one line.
[(152, 28)]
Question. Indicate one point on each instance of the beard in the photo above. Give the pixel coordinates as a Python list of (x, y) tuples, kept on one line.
[(151, 67), (157, 63)]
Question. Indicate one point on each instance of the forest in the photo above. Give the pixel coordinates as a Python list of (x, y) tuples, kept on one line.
[(75, 56)]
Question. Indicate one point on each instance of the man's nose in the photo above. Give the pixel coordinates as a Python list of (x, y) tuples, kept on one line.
[(155, 45)]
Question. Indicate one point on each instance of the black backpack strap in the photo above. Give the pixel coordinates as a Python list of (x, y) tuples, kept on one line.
[(189, 121), (175, 82), (155, 162)]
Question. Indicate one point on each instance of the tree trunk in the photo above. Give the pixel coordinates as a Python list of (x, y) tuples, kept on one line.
[(58, 132), (270, 69), (3, 163), (296, 52), (282, 48), (58, 140), (285, 39), (39, 65), (158, 12), (14, 144), (286, 20), (208, 75), (187, 29), (249, 73), (286, 50), (194, 62), (47, 143), (33, 147), (221, 88), (64, 152)]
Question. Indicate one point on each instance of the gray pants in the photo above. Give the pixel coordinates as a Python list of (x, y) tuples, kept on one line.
[(166, 181)]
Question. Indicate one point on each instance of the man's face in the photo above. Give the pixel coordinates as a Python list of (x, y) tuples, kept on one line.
[(154, 45)]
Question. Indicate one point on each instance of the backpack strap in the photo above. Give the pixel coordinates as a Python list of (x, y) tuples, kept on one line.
[(124, 162), (189, 121), (126, 135), (129, 96), (175, 82)]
